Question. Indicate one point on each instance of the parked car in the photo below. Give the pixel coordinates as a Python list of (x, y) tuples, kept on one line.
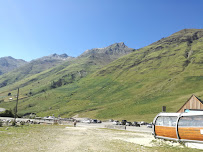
[(116, 122), (86, 121), (123, 122), (149, 125), (119, 123), (99, 121), (136, 124), (93, 121), (128, 123), (143, 123), (110, 120)]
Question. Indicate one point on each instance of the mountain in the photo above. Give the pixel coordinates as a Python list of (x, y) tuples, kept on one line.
[(33, 67), (65, 68), (133, 87), (8, 64), (55, 57), (109, 53), (34, 77), (44, 63)]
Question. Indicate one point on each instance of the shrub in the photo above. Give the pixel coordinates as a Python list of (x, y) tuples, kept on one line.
[(7, 113)]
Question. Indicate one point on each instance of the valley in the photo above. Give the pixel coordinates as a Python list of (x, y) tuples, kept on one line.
[(113, 82)]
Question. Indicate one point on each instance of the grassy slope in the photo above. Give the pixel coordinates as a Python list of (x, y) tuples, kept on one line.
[(134, 87), (31, 68), (39, 75), (40, 84)]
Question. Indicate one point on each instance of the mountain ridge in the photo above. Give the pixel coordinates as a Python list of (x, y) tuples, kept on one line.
[(33, 67), (135, 86), (115, 48), (8, 64), (69, 71)]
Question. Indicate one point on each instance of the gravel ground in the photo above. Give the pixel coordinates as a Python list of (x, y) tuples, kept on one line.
[(83, 137), (54, 138)]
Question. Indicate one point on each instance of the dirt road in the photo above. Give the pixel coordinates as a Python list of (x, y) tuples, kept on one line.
[(90, 138)]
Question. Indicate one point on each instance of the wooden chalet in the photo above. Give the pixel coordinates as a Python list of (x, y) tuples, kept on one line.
[(193, 103)]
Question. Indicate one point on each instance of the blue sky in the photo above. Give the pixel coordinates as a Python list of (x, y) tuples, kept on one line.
[(30, 29)]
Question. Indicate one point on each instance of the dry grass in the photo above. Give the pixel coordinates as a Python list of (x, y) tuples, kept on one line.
[(55, 138)]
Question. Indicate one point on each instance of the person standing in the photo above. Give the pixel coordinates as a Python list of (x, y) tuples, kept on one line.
[(75, 123)]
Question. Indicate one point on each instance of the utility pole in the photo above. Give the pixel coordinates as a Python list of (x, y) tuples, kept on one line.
[(16, 108)]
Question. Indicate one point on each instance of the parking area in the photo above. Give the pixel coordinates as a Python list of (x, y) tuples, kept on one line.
[(111, 125)]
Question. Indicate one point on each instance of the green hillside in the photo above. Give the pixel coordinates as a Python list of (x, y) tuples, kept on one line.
[(133, 87), (71, 71), (51, 72), (32, 68)]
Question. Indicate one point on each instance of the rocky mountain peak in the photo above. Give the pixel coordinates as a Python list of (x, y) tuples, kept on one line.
[(59, 56), (9, 63), (114, 50), (55, 57), (9, 57), (64, 55), (120, 45), (185, 35)]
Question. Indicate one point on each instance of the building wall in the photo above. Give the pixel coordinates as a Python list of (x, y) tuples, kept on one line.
[(193, 103)]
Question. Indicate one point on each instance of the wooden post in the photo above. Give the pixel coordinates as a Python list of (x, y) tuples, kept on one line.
[(16, 108)]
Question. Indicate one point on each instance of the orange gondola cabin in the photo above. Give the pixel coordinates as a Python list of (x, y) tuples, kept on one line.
[(186, 126)]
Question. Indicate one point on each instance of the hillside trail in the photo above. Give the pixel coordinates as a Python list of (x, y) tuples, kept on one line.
[(86, 138)]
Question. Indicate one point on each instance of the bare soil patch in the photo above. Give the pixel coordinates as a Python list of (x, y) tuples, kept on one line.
[(59, 138)]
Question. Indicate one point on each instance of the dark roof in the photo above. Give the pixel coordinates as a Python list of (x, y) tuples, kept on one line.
[(199, 99), (189, 100)]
